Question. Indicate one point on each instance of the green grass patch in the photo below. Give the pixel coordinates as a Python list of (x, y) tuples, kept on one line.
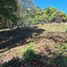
[(54, 27)]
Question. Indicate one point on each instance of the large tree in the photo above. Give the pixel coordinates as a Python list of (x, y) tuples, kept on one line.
[(25, 12), (8, 13), (11, 11)]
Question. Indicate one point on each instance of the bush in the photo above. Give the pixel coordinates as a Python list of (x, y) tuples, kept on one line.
[(60, 61)]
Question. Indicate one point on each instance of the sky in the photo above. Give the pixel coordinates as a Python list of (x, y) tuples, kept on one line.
[(59, 4)]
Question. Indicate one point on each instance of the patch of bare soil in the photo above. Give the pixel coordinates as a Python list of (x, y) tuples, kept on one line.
[(47, 42), (44, 45), (10, 54), (58, 37)]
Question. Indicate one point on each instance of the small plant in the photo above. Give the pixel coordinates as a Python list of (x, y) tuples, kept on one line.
[(30, 56), (60, 61), (60, 58), (32, 59)]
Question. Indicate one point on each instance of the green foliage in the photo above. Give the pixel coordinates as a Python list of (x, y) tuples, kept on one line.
[(60, 61), (8, 12), (30, 56), (48, 15), (30, 59), (33, 59), (25, 13), (60, 58), (14, 12)]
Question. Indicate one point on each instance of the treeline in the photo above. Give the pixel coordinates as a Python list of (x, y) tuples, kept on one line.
[(17, 13), (48, 15)]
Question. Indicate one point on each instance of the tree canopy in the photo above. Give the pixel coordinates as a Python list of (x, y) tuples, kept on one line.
[(48, 15), (8, 12), (11, 10), (24, 12)]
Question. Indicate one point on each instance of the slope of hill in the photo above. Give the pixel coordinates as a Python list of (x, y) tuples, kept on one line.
[(33, 45)]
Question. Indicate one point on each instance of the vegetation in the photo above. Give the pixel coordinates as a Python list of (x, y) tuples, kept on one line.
[(48, 15), (31, 37), (54, 27), (13, 13), (10, 12)]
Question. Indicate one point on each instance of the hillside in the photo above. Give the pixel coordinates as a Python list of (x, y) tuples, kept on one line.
[(34, 46), (30, 36)]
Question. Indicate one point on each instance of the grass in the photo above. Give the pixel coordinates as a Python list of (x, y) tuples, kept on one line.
[(28, 51), (54, 27), (17, 51), (32, 59), (60, 59)]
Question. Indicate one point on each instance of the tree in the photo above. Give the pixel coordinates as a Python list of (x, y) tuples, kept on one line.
[(11, 11), (49, 15), (8, 12), (25, 12)]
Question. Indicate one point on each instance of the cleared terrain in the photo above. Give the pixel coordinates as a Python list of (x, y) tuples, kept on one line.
[(47, 43), (54, 27)]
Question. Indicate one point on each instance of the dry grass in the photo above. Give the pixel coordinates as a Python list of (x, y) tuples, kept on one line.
[(52, 41), (54, 27)]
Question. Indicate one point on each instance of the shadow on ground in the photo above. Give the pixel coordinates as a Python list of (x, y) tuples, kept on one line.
[(9, 39), (32, 59)]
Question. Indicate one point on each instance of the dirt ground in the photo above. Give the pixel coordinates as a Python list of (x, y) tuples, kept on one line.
[(44, 45)]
